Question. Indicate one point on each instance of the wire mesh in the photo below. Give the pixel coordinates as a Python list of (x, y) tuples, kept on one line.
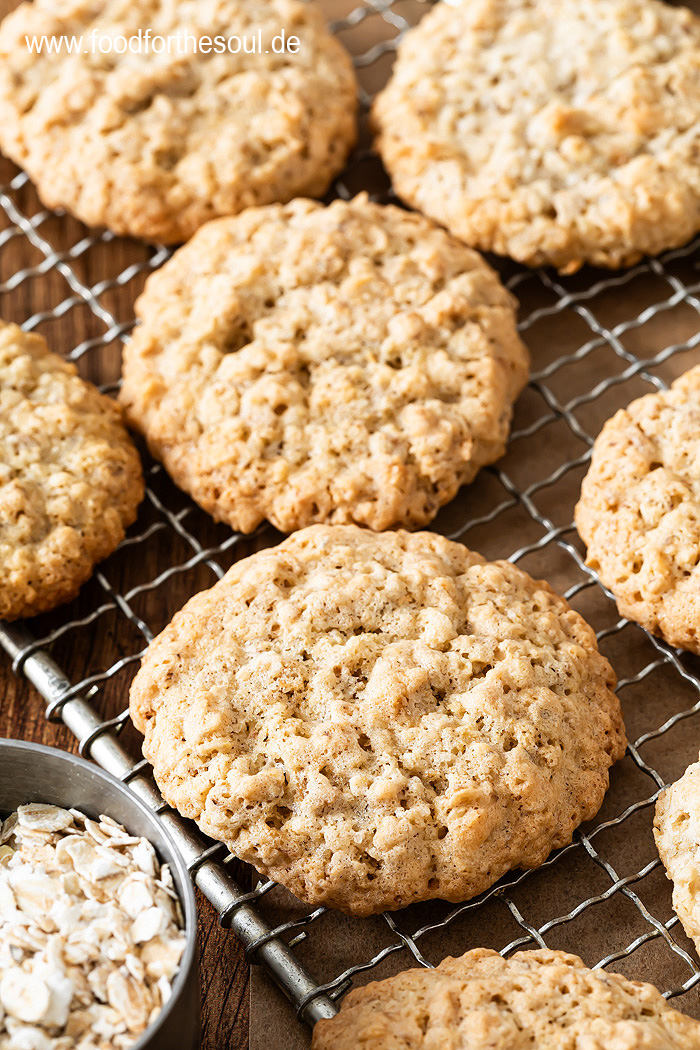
[(597, 341)]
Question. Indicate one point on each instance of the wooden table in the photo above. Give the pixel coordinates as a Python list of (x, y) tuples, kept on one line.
[(224, 973)]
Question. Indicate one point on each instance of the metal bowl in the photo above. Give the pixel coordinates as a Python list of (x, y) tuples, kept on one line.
[(32, 773)]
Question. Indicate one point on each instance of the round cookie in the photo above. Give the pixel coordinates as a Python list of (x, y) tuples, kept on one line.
[(302, 363), (639, 511), (70, 478), (677, 834), (374, 719), (155, 144), (544, 999), (553, 131)]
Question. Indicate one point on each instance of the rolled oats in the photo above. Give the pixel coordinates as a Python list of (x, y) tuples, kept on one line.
[(91, 932)]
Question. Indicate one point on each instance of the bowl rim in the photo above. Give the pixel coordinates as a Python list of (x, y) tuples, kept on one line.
[(189, 904)]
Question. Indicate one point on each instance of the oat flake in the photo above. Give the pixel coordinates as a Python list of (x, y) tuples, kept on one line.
[(91, 932)]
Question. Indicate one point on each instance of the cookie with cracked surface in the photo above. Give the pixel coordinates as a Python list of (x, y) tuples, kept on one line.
[(302, 363), (639, 511), (553, 131), (155, 144), (677, 834), (70, 477), (374, 719), (544, 999)]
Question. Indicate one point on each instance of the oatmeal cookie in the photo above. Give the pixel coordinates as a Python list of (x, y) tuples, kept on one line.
[(677, 834), (70, 477), (639, 512), (553, 131), (155, 144), (302, 363), (374, 719), (544, 999)]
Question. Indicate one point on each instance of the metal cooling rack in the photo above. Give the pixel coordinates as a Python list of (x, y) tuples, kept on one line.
[(614, 333)]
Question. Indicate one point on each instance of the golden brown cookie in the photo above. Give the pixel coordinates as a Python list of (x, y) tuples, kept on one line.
[(639, 512), (374, 719), (70, 477), (537, 1000), (677, 834), (302, 363), (553, 131), (155, 144)]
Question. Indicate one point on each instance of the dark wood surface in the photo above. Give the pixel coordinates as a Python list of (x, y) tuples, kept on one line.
[(224, 973)]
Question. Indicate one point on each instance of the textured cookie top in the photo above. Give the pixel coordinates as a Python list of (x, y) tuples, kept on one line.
[(540, 999), (70, 478), (350, 363), (553, 131), (639, 512), (376, 719), (154, 145), (677, 834)]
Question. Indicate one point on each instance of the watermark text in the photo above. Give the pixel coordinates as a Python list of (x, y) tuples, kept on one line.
[(180, 43)]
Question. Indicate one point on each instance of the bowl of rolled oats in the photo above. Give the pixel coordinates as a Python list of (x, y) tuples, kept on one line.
[(98, 924)]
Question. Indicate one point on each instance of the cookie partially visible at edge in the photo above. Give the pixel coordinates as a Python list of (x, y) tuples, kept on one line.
[(553, 131), (70, 476), (155, 144), (677, 835), (639, 511), (544, 999)]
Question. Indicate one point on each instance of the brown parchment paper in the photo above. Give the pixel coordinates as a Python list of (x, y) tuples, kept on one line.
[(588, 336)]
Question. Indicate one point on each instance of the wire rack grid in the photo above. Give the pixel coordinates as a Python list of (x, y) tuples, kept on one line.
[(597, 341)]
